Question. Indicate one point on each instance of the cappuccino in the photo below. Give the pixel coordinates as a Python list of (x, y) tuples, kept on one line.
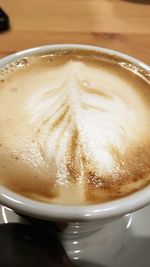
[(75, 127)]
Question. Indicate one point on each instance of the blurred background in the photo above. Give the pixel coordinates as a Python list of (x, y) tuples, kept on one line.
[(123, 25)]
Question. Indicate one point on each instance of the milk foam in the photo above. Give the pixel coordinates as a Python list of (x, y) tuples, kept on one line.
[(71, 128)]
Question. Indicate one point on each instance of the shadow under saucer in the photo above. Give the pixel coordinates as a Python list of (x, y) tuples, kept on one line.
[(28, 245)]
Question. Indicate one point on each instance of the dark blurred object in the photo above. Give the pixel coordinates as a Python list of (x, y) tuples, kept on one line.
[(143, 2), (4, 21), (30, 245)]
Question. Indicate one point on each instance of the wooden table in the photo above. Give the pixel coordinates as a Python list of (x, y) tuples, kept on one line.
[(119, 24)]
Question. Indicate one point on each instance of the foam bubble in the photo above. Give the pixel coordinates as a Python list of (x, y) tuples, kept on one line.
[(21, 62)]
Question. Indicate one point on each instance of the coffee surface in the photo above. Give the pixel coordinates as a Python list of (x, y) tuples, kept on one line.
[(74, 127)]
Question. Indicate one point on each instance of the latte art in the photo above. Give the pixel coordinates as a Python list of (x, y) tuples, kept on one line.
[(74, 129)]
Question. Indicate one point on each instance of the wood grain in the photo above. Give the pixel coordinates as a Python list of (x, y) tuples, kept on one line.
[(123, 25)]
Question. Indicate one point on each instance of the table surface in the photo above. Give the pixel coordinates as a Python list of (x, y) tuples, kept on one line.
[(123, 25)]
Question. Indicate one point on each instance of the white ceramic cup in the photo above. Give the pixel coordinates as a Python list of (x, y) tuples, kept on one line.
[(99, 213)]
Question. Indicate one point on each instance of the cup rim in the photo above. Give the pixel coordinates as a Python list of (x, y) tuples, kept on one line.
[(110, 209)]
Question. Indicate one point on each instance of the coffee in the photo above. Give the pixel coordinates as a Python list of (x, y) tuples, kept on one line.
[(74, 127)]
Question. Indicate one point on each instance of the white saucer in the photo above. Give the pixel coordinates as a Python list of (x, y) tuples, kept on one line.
[(123, 243)]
